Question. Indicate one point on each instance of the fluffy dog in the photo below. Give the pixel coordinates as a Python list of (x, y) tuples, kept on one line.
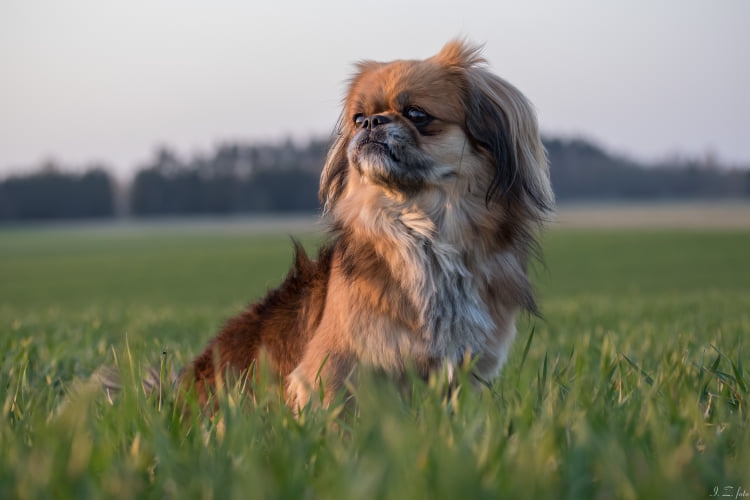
[(434, 191)]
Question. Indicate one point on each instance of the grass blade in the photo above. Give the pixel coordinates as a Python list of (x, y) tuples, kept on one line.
[(527, 347)]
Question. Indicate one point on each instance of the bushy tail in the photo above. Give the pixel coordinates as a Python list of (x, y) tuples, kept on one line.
[(156, 380)]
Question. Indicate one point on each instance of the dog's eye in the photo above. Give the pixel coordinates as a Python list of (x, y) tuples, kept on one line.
[(358, 118), (417, 116)]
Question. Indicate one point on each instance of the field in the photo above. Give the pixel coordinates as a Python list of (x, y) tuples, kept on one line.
[(632, 385)]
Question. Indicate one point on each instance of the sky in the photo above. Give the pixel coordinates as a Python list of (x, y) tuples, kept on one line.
[(86, 81)]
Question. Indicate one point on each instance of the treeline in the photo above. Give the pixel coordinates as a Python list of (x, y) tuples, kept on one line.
[(236, 179), (52, 194), (257, 178), (581, 171)]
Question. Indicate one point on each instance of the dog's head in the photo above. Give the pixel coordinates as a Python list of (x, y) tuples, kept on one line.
[(438, 131)]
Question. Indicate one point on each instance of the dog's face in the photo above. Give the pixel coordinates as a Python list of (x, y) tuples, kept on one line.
[(405, 125), (442, 127)]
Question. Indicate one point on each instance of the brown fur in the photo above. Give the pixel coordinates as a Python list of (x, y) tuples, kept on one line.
[(432, 227), (279, 326)]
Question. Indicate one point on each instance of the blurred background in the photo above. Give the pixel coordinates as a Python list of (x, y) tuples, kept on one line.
[(163, 108)]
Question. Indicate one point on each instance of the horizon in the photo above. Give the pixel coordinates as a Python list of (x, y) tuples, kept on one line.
[(91, 83), (676, 159)]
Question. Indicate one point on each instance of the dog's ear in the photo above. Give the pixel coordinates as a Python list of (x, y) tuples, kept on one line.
[(501, 122), (487, 125), (334, 175)]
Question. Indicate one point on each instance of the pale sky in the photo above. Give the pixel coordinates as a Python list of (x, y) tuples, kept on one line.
[(109, 81)]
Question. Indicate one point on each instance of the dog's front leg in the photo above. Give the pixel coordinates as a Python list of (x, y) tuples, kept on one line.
[(319, 377)]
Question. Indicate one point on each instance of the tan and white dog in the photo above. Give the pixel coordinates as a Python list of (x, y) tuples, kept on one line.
[(434, 191)]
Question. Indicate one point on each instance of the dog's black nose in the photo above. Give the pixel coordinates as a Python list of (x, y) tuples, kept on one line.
[(370, 122)]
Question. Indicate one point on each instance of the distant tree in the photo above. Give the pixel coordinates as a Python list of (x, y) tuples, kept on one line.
[(288, 191), (236, 179), (51, 194), (96, 193), (582, 171), (154, 187), (149, 193)]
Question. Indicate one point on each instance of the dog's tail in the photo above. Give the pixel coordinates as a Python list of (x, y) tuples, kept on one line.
[(157, 380)]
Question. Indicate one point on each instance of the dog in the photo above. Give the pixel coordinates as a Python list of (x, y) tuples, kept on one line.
[(434, 192)]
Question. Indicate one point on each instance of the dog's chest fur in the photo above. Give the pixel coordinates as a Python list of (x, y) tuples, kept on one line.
[(418, 295)]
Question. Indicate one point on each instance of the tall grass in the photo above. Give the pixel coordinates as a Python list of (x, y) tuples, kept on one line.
[(633, 385)]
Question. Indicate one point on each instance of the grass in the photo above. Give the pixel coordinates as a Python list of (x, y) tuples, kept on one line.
[(632, 386)]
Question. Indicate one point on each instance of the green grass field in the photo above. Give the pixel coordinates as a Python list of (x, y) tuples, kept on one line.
[(633, 385)]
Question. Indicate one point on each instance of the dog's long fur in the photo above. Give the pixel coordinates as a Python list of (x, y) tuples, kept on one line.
[(434, 191)]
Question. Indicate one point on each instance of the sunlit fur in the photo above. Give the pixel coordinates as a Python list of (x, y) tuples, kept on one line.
[(432, 227)]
